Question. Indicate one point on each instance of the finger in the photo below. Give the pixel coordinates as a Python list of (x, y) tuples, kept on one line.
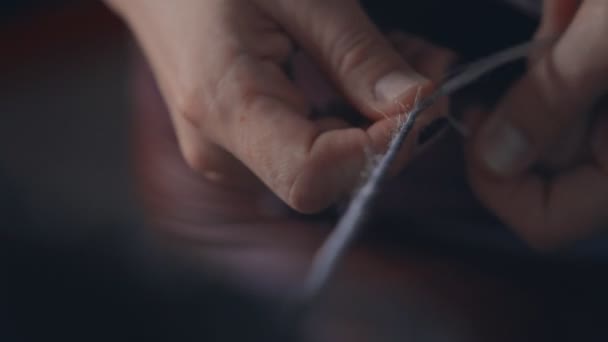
[(557, 16), (267, 128), (565, 82), (428, 59), (331, 124), (548, 214), (209, 159), (433, 62), (356, 55)]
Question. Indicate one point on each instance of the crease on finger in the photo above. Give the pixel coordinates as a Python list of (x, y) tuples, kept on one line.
[(332, 168)]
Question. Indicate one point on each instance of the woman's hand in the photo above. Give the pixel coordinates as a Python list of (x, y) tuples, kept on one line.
[(540, 161), (221, 68)]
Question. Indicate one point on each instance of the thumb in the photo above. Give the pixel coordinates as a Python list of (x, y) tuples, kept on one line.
[(356, 55), (564, 84)]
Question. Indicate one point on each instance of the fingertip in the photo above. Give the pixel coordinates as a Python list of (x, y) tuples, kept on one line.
[(335, 165), (427, 129), (410, 97), (398, 86)]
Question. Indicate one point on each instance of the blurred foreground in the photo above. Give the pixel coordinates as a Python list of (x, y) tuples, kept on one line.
[(104, 235)]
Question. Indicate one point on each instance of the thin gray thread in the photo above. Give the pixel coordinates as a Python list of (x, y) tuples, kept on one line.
[(327, 258)]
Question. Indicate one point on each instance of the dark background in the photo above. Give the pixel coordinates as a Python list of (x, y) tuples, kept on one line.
[(71, 246)]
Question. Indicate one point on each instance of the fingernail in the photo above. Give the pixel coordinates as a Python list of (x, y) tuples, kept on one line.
[(503, 147), (392, 86)]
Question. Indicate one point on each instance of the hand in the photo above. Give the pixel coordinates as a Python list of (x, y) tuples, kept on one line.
[(220, 65), (552, 120)]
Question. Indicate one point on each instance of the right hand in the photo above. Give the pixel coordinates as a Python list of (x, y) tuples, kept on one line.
[(220, 64), (555, 119)]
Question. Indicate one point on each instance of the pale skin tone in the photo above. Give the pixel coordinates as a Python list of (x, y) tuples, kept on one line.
[(239, 119), (558, 119), (220, 67)]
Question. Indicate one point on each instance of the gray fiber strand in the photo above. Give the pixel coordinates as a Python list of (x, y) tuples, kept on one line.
[(329, 255)]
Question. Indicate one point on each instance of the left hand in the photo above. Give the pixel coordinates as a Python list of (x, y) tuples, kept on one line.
[(551, 119)]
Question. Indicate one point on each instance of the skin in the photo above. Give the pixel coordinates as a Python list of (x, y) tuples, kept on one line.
[(241, 121), (250, 239), (556, 112), (266, 248)]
